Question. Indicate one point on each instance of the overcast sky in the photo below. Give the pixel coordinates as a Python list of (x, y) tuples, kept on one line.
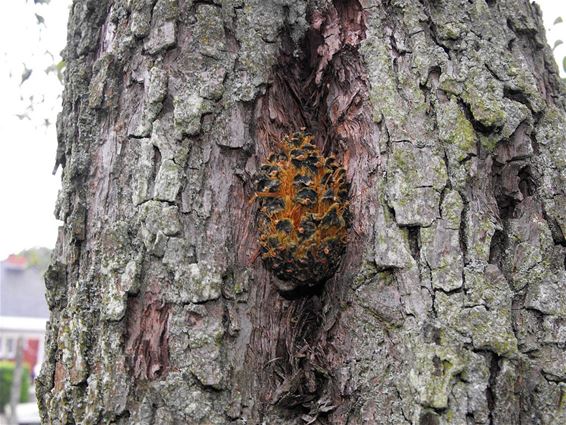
[(27, 147)]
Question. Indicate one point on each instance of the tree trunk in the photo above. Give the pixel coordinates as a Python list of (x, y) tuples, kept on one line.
[(449, 306)]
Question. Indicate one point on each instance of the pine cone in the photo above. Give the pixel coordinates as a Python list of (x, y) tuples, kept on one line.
[(303, 215)]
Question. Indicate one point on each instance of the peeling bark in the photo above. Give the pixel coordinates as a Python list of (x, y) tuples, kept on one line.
[(448, 306)]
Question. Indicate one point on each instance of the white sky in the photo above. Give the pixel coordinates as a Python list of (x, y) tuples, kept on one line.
[(27, 147)]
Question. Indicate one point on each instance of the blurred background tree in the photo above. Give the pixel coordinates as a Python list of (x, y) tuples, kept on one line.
[(37, 257)]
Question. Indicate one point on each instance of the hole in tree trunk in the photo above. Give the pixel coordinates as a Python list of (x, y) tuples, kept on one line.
[(320, 85)]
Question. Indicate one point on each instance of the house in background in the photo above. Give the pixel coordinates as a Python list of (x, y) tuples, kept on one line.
[(23, 311)]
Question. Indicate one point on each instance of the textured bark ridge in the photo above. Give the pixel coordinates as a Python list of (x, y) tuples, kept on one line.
[(449, 305)]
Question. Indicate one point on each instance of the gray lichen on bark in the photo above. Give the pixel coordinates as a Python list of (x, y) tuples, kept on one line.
[(449, 305)]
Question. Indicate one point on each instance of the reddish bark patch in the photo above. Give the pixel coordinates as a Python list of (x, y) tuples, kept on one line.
[(59, 377), (147, 334)]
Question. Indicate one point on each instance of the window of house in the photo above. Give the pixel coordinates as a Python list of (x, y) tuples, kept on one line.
[(10, 348)]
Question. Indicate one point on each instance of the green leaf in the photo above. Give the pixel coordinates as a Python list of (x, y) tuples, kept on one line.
[(557, 43), (557, 21), (58, 67)]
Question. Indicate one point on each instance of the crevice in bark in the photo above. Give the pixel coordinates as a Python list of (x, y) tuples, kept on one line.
[(506, 201), (208, 2), (514, 94), (507, 204), (432, 293), (414, 242), (450, 292), (526, 181), (402, 410), (463, 229), (555, 230), (490, 391), (302, 292), (156, 163), (322, 87), (478, 126), (429, 418), (499, 243), (432, 27)]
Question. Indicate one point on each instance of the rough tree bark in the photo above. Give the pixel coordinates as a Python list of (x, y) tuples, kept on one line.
[(449, 306)]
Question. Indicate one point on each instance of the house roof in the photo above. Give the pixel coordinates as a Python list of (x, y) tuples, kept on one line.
[(22, 291), (16, 262)]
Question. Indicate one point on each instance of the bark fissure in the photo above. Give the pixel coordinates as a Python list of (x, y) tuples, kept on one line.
[(322, 89)]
